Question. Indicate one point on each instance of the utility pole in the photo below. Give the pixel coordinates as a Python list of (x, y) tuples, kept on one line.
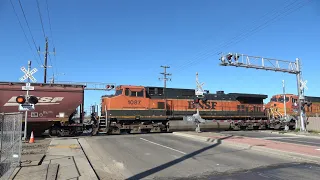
[(165, 74), (165, 79), (45, 65)]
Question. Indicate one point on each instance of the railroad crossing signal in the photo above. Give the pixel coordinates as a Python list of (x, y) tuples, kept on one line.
[(303, 85), (26, 104), (109, 87), (27, 87), (28, 74)]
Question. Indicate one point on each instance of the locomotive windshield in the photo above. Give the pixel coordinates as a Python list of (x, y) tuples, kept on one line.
[(118, 92)]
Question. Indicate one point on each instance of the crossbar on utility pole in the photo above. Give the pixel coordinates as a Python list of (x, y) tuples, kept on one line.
[(271, 64), (165, 79)]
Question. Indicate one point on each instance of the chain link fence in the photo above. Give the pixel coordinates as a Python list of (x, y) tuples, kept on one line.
[(10, 143)]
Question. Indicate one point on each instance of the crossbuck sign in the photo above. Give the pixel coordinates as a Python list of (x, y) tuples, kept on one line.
[(28, 74)]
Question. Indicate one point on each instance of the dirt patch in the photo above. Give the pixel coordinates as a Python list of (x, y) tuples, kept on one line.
[(39, 146)]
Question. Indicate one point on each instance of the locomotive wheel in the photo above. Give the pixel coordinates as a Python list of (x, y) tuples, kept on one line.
[(115, 130)]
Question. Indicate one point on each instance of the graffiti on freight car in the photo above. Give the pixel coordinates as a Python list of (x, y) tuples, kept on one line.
[(134, 102)]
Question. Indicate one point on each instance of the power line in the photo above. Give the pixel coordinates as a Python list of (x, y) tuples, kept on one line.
[(245, 34), (244, 29), (51, 40), (25, 35), (44, 34), (242, 36), (49, 22), (25, 18)]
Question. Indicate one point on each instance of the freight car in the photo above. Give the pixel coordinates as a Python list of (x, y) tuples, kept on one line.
[(135, 109), (55, 108)]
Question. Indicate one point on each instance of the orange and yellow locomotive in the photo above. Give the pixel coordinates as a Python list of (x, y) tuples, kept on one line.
[(138, 108)]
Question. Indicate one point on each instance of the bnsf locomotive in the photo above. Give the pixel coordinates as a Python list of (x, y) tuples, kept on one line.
[(153, 109), (311, 105)]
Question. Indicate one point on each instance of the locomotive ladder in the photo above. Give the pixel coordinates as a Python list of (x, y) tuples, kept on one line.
[(102, 125), (276, 113)]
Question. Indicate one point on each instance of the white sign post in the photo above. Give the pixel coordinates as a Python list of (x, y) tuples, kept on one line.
[(27, 107)]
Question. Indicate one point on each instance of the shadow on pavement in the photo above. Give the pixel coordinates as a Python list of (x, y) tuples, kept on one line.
[(176, 161)]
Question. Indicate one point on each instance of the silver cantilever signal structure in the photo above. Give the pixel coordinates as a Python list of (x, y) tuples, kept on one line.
[(270, 64)]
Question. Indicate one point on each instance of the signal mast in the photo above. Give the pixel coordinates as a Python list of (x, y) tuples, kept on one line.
[(255, 62), (199, 92)]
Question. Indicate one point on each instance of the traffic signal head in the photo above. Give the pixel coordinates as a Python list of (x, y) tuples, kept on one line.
[(110, 86), (20, 99), (236, 57), (196, 100), (33, 100), (229, 56), (222, 59)]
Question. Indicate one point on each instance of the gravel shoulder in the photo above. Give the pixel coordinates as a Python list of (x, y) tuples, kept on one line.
[(40, 146)]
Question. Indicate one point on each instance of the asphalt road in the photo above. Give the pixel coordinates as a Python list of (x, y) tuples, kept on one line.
[(166, 156), (276, 137)]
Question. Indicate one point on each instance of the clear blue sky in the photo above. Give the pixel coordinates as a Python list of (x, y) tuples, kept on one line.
[(126, 41)]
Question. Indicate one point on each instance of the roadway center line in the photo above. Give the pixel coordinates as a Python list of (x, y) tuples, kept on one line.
[(163, 146)]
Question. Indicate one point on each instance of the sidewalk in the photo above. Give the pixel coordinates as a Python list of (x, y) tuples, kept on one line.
[(310, 153), (292, 133), (64, 159)]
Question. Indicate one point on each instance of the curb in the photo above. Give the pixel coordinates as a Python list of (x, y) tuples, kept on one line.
[(14, 173), (93, 174), (310, 158), (292, 134), (101, 170)]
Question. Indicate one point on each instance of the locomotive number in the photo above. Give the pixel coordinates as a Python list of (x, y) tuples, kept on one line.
[(134, 102)]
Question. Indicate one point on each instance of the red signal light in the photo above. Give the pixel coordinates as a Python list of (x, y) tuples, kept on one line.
[(196, 100), (21, 99), (110, 86), (229, 56)]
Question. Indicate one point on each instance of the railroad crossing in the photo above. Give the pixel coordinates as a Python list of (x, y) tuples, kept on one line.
[(27, 103)]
